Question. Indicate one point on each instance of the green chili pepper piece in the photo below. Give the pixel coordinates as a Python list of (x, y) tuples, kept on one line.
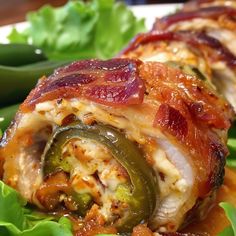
[(123, 193), (20, 54), (84, 202), (188, 69), (16, 82), (144, 187), (6, 116)]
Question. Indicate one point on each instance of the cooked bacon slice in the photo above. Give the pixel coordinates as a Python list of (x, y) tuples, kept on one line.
[(180, 125), (115, 82)]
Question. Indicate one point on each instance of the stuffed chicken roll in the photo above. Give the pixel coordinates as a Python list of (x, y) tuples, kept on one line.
[(206, 55), (119, 143), (212, 23)]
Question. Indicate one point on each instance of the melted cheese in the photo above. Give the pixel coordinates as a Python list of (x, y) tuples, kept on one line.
[(95, 171)]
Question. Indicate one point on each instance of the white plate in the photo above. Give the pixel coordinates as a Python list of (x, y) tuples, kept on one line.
[(149, 12)]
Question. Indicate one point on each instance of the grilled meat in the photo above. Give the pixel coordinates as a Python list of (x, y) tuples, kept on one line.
[(133, 141)]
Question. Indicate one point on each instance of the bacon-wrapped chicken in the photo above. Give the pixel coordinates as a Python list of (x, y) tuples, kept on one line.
[(205, 54), (215, 25), (119, 142)]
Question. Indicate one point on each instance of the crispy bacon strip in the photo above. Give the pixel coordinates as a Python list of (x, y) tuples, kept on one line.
[(170, 118), (115, 82), (209, 13), (210, 47)]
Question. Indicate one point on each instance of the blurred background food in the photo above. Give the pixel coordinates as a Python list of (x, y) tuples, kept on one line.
[(13, 11)]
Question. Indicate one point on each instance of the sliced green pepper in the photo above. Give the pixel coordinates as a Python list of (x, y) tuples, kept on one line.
[(16, 82), (142, 193), (20, 54), (6, 116), (188, 69)]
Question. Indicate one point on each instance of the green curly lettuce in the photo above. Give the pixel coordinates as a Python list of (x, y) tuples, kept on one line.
[(231, 159), (79, 30), (230, 212), (17, 220)]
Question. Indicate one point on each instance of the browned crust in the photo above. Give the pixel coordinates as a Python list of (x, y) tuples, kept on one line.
[(216, 220)]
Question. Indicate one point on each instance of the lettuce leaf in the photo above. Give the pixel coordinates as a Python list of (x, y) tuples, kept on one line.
[(230, 212), (79, 30), (17, 220), (231, 159), (228, 231)]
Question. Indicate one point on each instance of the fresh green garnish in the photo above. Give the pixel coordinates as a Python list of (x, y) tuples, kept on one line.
[(231, 159), (230, 212), (78, 30), (6, 116), (17, 220)]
